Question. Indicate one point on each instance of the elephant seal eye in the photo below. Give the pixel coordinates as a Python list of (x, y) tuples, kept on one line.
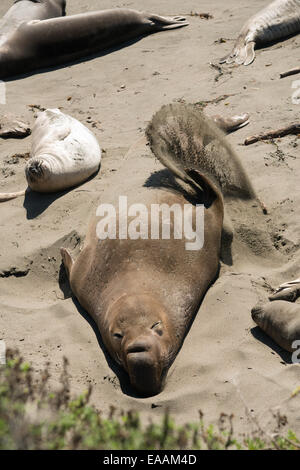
[(157, 327), (118, 335)]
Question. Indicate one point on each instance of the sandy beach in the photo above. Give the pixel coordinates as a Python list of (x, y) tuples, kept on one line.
[(226, 364)]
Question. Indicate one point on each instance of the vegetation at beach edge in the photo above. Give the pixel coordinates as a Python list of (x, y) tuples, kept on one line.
[(32, 417)]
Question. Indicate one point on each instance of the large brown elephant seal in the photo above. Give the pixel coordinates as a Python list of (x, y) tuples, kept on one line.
[(23, 11), (144, 290), (57, 41), (281, 321)]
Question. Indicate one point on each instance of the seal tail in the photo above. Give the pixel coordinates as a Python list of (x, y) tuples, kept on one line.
[(187, 143), (241, 54), (163, 23), (8, 196)]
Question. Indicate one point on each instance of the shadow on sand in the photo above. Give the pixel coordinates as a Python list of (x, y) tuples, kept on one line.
[(261, 336), (36, 203)]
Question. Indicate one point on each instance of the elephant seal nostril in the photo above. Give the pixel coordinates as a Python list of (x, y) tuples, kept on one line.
[(139, 347), (136, 349)]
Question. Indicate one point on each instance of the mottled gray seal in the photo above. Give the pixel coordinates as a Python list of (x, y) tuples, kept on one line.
[(23, 11), (276, 21), (64, 153), (143, 293), (57, 41)]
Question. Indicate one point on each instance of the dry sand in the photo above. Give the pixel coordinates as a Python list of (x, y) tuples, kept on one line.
[(226, 364)]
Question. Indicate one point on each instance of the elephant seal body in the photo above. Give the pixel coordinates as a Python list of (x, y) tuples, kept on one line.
[(57, 41), (276, 21), (64, 153), (24, 11), (280, 320), (143, 292)]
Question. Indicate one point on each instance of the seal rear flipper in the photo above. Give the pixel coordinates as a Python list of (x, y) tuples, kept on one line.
[(242, 54), (230, 58), (239, 121), (8, 196), (163, 23), (67, 260), (289, 291), (223, 59), (231, 124), (250, 53)]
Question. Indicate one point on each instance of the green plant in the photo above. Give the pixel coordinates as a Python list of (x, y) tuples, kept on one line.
[(31, 417)]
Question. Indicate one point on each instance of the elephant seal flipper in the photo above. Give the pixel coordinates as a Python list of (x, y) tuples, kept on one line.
[(164, 23), (231, 124), (289, 291), (249, 54), (280, 320), (242, 54), (279, 19), (8, 196)]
